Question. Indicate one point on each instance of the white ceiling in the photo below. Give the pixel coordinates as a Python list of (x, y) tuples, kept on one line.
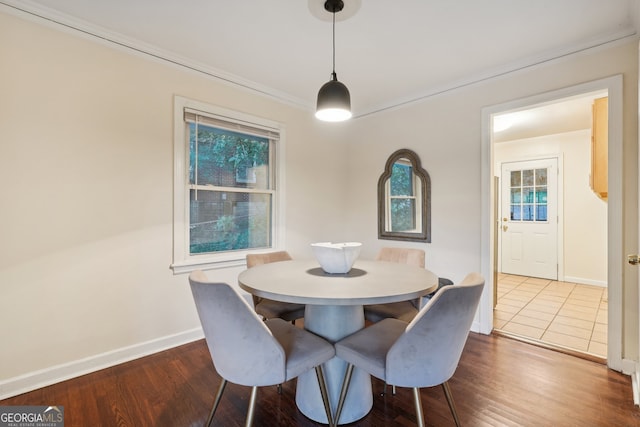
[(388, 52), (560, 116)]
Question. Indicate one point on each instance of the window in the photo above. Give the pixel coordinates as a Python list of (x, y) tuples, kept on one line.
[(528, 195), (403, 212), (226, 197)]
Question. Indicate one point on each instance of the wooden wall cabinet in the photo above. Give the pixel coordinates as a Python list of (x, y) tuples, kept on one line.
[(599, 147)]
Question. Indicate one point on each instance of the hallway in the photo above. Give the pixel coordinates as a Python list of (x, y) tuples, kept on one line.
[(566, 315)]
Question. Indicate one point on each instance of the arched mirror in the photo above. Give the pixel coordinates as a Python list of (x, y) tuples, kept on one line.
[(404, 199)]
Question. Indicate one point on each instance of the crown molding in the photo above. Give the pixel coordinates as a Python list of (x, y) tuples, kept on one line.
[(60, 21), (609, 40), (54, 19)]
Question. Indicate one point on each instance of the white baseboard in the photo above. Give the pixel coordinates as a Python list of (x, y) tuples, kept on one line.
[(635, 383), (627, 367), (44, 377), (477, 327), (583, 281)]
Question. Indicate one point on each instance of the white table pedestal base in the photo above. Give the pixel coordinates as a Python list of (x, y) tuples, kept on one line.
[(334, 322)]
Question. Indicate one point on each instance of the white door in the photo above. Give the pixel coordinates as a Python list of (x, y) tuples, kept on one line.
[(529, 220)]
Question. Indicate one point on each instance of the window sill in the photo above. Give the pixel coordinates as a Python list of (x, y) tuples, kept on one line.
[(188, 266)]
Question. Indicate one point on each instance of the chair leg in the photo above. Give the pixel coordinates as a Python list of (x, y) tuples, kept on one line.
[(252, 405), (418, 403), (216, 402), (323, 392), (343, 392), (452, 406), (384, 389)]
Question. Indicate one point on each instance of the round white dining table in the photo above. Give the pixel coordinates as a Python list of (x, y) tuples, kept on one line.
[(333, 310)]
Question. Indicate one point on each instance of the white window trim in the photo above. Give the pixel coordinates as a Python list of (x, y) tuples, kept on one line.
[(183, 261)]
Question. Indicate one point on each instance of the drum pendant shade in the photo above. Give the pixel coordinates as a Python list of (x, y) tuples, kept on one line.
[(334, 100)]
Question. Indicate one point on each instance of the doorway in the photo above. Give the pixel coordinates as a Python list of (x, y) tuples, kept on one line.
[(491, 224), (534, 300)]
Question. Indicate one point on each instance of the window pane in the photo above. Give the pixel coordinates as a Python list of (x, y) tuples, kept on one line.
[(527, 177), (403, 217), (527, 195), (223, 221), (541, 213), (541, 195), (401, 180), (516, 195), (527, 212), (516, 179), (227, 159), (516, 214), (541, 177)]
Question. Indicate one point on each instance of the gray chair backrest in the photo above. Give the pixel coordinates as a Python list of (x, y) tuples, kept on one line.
[(409, 256), (254, 260), (243, 349), (402, 256), (429, 350), (265, 258)]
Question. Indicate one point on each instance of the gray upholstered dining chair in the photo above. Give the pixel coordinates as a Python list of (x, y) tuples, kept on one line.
[(249, 351), (403, 310), (423, 353), (268, 308)]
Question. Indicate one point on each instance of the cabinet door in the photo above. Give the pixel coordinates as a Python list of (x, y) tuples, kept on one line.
[(599, 147)]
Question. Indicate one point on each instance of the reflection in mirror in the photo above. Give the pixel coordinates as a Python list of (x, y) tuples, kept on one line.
[(403, 213), (404, 193)]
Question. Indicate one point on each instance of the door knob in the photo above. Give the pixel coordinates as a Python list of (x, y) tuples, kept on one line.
[(633, 259), (505, 227)]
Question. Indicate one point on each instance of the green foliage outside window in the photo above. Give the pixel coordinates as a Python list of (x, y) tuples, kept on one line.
[(228, 220), (402, 201), (221, 153)]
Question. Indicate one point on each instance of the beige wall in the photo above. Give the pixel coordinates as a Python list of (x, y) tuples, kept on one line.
[(584, 219), (446, 132), (86, 186), (86, 176)]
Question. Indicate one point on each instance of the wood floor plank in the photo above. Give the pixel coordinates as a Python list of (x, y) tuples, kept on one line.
[(499, 382)]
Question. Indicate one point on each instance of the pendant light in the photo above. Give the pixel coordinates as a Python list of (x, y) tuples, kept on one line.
[(334, 101)]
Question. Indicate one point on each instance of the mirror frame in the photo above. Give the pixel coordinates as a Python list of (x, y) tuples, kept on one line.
[(423, 235)]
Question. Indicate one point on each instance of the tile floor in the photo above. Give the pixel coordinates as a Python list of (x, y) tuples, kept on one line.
[(569, 315)]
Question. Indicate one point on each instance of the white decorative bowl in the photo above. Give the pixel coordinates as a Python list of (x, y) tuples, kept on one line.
[(336, 258)]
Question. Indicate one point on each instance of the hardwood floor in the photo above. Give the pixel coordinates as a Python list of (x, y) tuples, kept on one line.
[(499, 382)]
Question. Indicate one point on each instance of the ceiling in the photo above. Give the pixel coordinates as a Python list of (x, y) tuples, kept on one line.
[(560, 116), (388, 53)]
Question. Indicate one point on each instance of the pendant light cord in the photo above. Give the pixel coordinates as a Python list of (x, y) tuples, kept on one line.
[(334, 44)]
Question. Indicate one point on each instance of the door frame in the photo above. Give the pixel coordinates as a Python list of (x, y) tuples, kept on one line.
[(615, 224)]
